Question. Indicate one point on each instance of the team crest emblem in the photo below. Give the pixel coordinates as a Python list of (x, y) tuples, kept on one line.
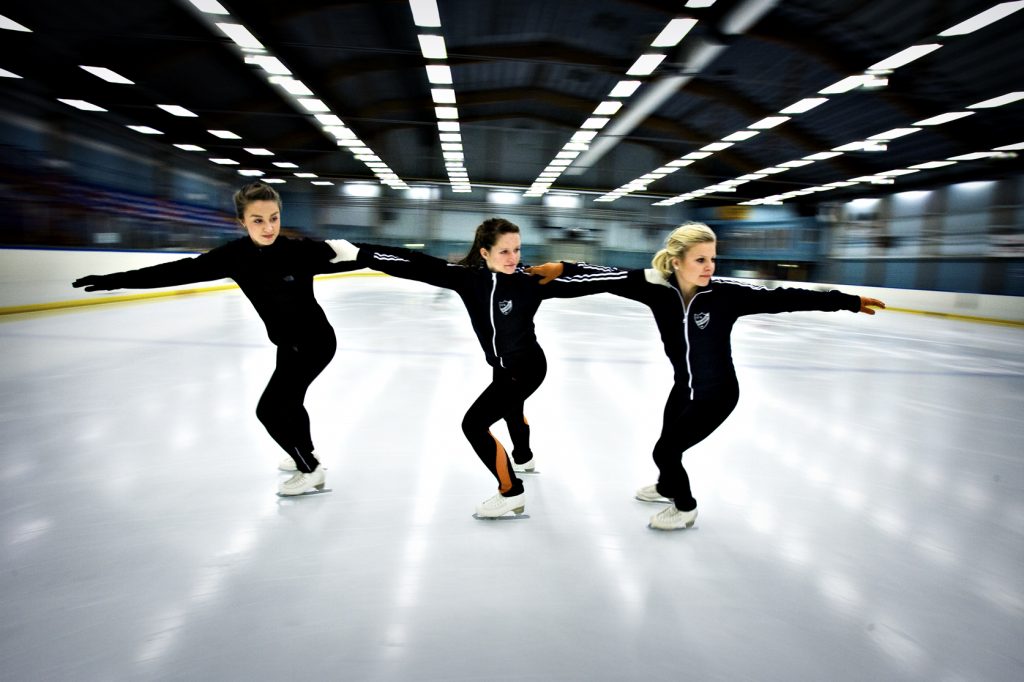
[(702, 319), (505, 307)]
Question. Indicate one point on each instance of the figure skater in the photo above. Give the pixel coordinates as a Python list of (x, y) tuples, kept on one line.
[(695, 315), (501, 300), (276, 274)]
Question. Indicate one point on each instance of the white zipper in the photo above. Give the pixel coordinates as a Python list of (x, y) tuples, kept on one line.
[(494, 327), (686, 333)]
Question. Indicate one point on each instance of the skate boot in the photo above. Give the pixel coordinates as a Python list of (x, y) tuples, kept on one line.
[(287, 464), (302, 483), (499, 505), (671, 518), (529, 466), (649, 493)]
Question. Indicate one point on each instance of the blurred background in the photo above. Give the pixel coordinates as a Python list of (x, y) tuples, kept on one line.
[(867, 143)]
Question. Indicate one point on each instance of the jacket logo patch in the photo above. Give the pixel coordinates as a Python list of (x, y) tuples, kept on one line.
[(505, 307), (702, 319)]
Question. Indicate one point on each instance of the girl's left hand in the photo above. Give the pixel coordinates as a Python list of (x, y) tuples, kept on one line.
[(868, 305), (547, 271)]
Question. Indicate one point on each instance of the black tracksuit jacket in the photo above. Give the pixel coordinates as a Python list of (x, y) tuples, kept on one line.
[(277, 279), (697, 337), (501, 307)]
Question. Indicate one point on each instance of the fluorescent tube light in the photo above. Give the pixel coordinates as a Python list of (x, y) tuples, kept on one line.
[(821, 156), (943, 118), (987, 17), (291, 86), (674, 32), (433, 47), (313, 105), (696, 156), (893, 134), (446, 112), (107, 75), (845, 85), (443, 95), (716, 146), (190, 147), (241, 35), (175, 110), (803, 105), (424, 13), (607, 108), (285, 164), (224, 134), (329, 120), (974, 156), (259, 151), (209, 6), (224, 162), (928, 165), (305, 175), (768, 122), (275, 181), (271, 65), (1010, 147), (904, 57), (4, 73), (998, 101), (624, 88), (439, 74), (11, 25), (81, 104), (250, 172), (740, 135), (645, 65), (595, 123), (448, 126)]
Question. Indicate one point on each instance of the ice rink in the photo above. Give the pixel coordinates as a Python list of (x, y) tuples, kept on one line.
[(861, 512)]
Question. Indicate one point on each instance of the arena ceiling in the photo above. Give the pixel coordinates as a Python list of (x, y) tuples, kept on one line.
[(590, 96)]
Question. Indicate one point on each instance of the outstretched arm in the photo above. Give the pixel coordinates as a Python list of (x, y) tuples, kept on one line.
[(569, 280), (398, 262), (201, 268)]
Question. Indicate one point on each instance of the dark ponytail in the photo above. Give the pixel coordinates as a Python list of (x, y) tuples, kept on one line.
[(487, 235)]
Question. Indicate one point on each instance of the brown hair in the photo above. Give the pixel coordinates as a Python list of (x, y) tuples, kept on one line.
[(254, 191), (487, 234)]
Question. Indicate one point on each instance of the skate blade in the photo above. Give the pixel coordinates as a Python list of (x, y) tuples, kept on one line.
[(506, 517), (689, 526), (663, 500), (531, 471), (308, 493)]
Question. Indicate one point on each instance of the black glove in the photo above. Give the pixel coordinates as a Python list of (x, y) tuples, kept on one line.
[(97, 283)]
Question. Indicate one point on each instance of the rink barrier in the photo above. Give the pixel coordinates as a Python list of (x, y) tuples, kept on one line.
[(151, 295), (35, 280)]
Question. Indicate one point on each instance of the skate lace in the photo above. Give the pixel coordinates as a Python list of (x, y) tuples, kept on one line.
[(296, 479)]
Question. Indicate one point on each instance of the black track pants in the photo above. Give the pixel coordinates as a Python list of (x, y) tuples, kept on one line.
[(503, 399), (281, 406), (685, 423)]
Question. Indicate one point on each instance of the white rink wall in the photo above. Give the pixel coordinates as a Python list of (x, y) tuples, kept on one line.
[(41, 278)]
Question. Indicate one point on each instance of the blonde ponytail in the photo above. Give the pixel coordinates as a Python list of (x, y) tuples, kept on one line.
[(679, 242)]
